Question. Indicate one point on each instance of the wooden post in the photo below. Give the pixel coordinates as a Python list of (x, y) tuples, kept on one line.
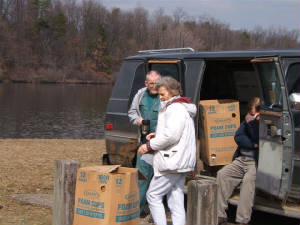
[(201, 203), (64, 191)]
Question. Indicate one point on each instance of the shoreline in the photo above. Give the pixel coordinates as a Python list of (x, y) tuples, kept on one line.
[(55, 82)]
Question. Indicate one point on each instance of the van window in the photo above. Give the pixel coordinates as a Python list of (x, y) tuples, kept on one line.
[(166, 69), (125, 79), (139, 81), (270, 85), (293, 78)]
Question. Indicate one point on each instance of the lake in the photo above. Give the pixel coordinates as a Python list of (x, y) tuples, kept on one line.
[(53, 110)]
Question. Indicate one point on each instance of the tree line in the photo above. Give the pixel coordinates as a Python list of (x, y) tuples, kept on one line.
[(83, 41)]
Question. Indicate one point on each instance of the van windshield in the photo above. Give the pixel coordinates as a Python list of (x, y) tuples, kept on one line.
[(270, 85)]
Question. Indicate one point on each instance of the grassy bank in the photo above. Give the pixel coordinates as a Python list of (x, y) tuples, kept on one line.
[(27, 167)]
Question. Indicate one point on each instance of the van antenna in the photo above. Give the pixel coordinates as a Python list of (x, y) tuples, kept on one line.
[(188, 49)]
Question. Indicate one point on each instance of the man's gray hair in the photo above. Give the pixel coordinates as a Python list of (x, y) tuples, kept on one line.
[(152, 72), (172, 85)]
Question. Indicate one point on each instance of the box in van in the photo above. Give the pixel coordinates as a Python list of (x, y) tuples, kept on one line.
[(219, 119)]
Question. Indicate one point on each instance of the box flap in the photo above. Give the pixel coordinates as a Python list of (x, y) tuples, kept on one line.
[(217, 101), (129, 169), (105, 169), (110, 168)]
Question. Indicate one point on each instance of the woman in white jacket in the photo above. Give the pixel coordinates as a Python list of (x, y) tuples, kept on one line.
[(174, 148)]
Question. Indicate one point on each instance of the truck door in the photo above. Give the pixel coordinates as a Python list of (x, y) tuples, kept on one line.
[(276, 135)]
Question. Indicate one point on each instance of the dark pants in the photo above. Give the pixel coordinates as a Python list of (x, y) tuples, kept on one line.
[(147, 170)]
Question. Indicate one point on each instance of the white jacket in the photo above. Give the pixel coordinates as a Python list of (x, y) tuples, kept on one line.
[(174, 142)]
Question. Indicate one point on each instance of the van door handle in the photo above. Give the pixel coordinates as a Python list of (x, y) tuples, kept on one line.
[(274, 131)]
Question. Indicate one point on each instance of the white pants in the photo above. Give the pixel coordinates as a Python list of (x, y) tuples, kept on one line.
[(171, 185)]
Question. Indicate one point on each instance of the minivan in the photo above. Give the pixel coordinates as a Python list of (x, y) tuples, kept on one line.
[(273, 75)]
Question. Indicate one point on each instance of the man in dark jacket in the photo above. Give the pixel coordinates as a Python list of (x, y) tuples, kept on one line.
[(242, 171)]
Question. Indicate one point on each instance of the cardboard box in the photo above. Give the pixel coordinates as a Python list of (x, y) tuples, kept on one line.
[(107, 195), (219, 120)]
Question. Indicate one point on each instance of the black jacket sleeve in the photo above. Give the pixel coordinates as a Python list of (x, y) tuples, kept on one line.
[(242, 137)]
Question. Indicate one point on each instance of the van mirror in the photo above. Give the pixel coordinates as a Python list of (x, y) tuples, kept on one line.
[(295, 100)]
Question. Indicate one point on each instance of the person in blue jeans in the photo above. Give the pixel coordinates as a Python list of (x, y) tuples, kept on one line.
[(145, 106)]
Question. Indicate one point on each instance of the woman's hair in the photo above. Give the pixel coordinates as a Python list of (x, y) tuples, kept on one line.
[(254, 103), (172, 85)]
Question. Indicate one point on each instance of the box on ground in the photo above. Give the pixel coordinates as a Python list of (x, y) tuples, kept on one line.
[(107, 195), (219, 120)]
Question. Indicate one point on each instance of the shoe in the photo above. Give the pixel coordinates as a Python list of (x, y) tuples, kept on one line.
[(150, 219), (143, 214), (222, 221), (1, 206)]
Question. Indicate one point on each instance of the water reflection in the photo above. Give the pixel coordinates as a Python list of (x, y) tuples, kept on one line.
[(52, 110)]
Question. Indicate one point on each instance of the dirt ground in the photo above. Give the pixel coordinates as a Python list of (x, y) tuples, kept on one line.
[(27, 167)]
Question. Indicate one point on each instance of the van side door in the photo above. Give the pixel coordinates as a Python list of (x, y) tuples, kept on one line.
[(276, 143), (121, 136), (292, 78)]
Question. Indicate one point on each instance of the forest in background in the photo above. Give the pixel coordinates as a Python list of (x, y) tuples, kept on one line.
[(83, 41)]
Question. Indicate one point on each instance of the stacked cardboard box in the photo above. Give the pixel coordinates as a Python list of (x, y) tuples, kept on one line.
[(219, 120)]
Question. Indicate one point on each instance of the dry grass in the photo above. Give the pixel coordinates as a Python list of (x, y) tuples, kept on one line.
[(27, 167)]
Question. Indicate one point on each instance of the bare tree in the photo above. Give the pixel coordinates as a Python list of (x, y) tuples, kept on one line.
[(59, 40)]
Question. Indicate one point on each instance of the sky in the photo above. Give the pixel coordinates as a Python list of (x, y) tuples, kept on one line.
[(238, 14)]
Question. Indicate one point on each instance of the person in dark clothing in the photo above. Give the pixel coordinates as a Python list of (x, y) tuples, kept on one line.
[(247, 137), (242, 171)]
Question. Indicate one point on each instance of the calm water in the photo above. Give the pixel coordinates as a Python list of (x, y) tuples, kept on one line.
[(52, 110)]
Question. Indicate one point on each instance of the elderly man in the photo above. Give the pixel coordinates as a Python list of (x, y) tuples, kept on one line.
[(145, 106)]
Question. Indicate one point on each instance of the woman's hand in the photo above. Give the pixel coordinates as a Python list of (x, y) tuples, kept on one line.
[(142, 149), (249, 117), (139, 121), (149, 136)]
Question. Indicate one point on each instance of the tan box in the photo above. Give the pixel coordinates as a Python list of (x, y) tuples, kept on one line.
[(219, 120), (107, 195)]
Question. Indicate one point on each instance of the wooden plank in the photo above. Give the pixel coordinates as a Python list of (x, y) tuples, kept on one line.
[(267, 113), (201, 203), (64, 191), (163, 61), (262, 60)]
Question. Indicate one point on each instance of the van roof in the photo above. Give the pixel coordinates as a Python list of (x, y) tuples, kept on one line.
[(220, 54)]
